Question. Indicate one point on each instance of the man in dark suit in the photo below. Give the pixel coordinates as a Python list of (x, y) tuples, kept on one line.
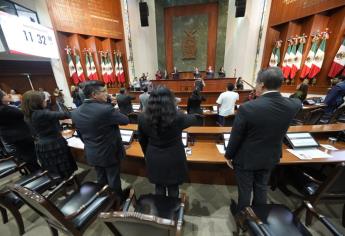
[(255, 145), (124, 101), (98, 124), (335, 96)]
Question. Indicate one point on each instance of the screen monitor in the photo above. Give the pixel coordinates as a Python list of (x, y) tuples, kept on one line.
[(215, 108), (126, 135), (301, 140), (136, 106)]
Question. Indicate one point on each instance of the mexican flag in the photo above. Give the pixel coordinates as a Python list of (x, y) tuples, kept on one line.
[(104, 69), (275, 57), (117, 68), (309, 60), (72, 71), (285, 67), (80, 71), (110, 69), (297, 60), (88, 66), (318, 60), (290, 61), (121, 77), (94, 75), (338, 61)]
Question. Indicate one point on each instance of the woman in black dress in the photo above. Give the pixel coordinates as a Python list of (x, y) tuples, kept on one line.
[(16, 134), (159, 131), (51, 148), (194, 102)]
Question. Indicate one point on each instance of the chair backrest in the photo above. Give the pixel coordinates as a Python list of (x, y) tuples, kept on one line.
[(335, 116), (43, 207), (133, 118), (314, 116), (137, 224)]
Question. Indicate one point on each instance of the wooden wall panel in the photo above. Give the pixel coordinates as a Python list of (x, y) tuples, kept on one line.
[(196, 9), (90, 17), (283, 11)]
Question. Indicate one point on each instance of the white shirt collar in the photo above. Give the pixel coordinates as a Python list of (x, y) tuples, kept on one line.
[(270, 91)]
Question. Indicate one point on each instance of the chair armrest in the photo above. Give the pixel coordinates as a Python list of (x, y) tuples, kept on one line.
[(33, 178), (58, 188), (328, 224), (86, 205), (311, 178), (250, 215), (129, 200)]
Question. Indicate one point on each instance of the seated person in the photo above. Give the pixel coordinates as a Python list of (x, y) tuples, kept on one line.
[(16, 98), (158, 75), (197, 74), (124, 101), (194, 102), (209, 73), (175, 74), (301, 93), (335, 96), (221, 72), (136, 84)]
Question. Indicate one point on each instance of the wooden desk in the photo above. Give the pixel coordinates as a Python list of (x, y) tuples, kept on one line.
[(219, 130), (187, 85)]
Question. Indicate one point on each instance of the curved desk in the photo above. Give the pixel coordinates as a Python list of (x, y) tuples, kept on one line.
[(207, 164)]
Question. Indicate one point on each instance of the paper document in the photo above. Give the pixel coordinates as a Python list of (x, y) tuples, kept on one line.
[(75, 143), (220, 148), (329, 147), (308, 153)]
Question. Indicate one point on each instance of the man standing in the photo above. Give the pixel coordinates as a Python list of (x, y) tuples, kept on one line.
[(144, 99), (255, 145), (226, 103), (98, 123), (124, 101)]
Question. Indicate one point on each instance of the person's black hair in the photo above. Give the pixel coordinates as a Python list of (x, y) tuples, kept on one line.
[(122, 90), (272, 78), (91, 87), (341, 77), (145, 89), (2, 95), (161, 110), (230, 86)]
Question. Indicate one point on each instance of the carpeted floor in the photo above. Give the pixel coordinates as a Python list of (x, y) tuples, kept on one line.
[(208, 212)]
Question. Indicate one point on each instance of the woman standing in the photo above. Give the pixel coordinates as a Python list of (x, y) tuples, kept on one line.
[(16, 134), (51, 148), (159, 131), (194, 102)]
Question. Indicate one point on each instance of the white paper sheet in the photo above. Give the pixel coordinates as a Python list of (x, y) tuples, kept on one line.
[(220, 148), (75, 143), (329, 147), (308, 153)]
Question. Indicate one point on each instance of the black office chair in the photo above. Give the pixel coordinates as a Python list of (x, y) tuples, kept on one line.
[(74, 214), (334, 117), (276, 219), (133, 118), (153, 215), (314, 190), (39, 181), (314, 116)]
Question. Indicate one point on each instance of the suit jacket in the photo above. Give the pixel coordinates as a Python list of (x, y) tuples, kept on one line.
[(258, 131), (124, 102), (12, 125), (334, 97), (175, 75), (98, 123), (164, 153)]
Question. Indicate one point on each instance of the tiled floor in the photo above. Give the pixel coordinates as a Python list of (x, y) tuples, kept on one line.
[(207, 213)]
